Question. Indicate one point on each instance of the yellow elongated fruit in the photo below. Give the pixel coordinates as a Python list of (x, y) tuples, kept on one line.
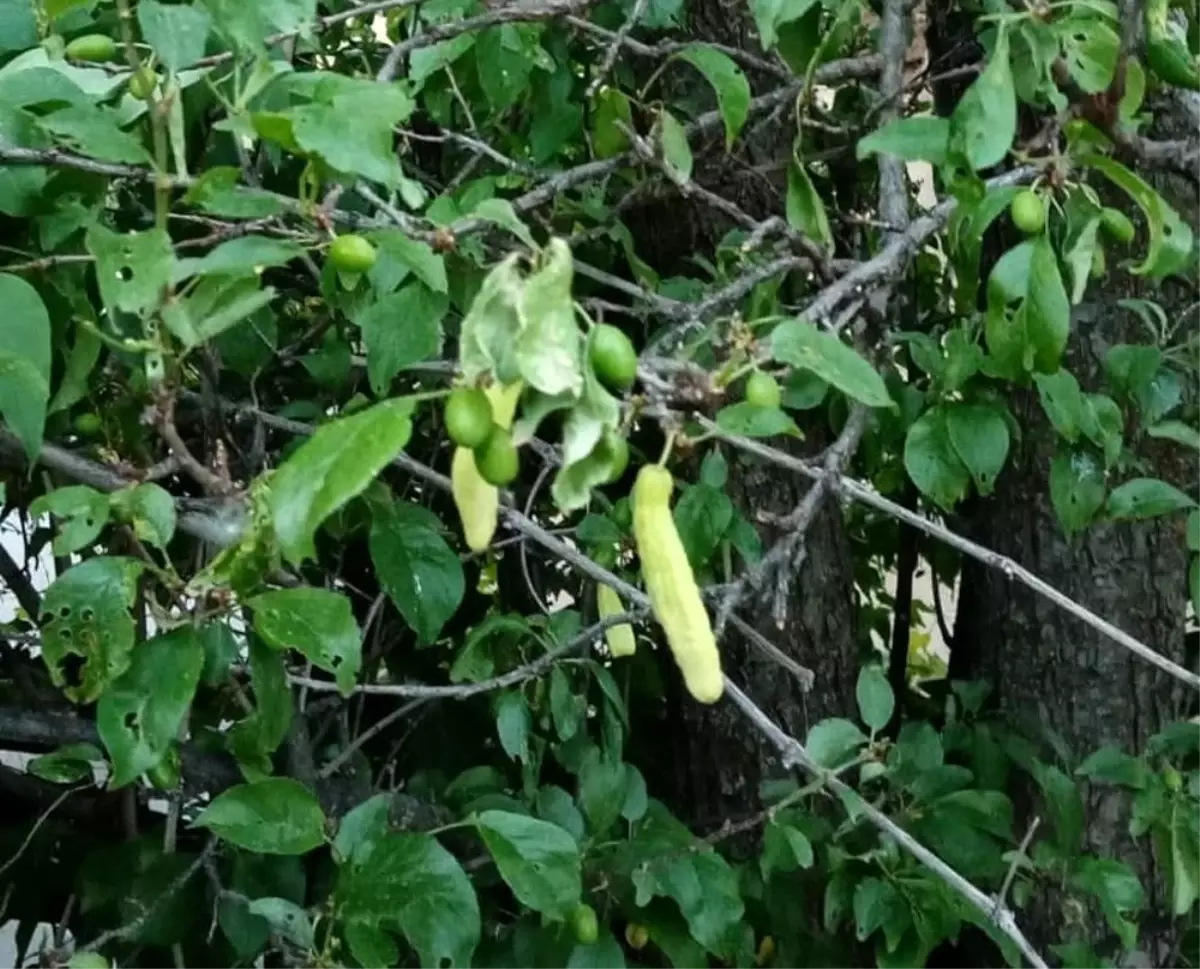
[(620, 638), (674, 595), (477, 501)]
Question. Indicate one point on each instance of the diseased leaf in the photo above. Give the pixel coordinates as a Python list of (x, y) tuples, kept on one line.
[(140, 713), (317, 622), (82, 513)]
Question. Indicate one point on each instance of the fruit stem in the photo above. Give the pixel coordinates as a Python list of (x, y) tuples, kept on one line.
[(666, 451)]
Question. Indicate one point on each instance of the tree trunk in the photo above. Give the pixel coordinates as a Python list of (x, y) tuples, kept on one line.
[(1048, 669)]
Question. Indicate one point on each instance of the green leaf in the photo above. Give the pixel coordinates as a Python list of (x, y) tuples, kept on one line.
[(1146, 498), (96, 132), (1063, 805), (932, 462), (1077, 488), (1131, 368), (488, 335), (1171, 238), (749, 420), (565, 706), (1176, 431), (362, 826), (278, 816), (1184, 850), (150, 509), (81, 360), (513, 724), (140, 713), (702, 516), (676, 152), (876, 702), (221, 648), (85, 613), (920, 138), (799, 343), (317, 622), (1111, 765), (288, 921), (984, 122), (331, 467), (770, 15), (420, 573), (248, 25), (502, 213), (538, 860), (549, 345), (1118, 890), (705, 887), (601, 791), (24, 361), (729, 83), (1080, 256), (214, 305), (82, 513), (403, 328), (399, 255), (69, 764), (558, 807), (217, 192), (1064, 403), (411, 883), (18, 25), (240, 257), (176, 32), (133, 269), (255, 738), (979, 435), (784, 849), (878, 904), (604, 953), (1109, 431), (805, 208), (834, 742), (352, 131)]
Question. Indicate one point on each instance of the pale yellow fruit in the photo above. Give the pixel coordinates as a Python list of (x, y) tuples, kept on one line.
[(671, 586), (620, 637)]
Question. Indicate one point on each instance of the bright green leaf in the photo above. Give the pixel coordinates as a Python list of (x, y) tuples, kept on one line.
[(677, 153), (82, 513), (538, 860), (920, 138), (278, 816), (177, 32), (799, 343), (876, 702), (984, 122), (979, 436)]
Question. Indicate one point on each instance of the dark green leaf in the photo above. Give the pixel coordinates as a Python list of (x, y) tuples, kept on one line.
[(1077, 488), (69, 764), (332, 467), (1111, 765), (702, 515), (401, 329), (799, 343), (979, 435), (1146, 498), (399, 255), (932, 461), (278, 816), (538, 860), (604, 953), (984, 122), (1064, 403), (601, 791), (513, 724), (729, 83)]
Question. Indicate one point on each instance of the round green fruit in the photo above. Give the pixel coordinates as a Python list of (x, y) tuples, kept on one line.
[(87, 960), (1117, 226), (352, 254), (468, 417), (96, 48), (497, 458), (613, 358), (1028, 213), (142, 83), (585, 925), (616, 449), (165, 774), (88, 424), (762, 390), (1099, 264), (637, 936)]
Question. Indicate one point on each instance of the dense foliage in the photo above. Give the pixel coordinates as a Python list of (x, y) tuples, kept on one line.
[(335, 346)]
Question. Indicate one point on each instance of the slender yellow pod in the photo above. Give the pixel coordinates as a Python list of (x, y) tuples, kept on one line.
[(620, 637), (674, 595), (477, 501)]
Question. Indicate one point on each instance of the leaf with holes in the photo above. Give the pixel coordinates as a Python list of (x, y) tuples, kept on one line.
[(87, 631), (1076, 488), (133, 269), (82, 513), (729, 83), (331, 467), (979, 435), (140, 713), (317, 622), (420, 573), (24, 361), (150, 509), (1146, 498), (1090, 47), (278, 816), (538, 860)]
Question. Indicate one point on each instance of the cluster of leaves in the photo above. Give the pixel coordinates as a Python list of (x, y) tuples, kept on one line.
[(166, 230)]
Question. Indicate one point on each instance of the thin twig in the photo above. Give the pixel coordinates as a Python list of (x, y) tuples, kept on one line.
[(373, 731), (614, 47), (1022, 849), (37, 826)]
